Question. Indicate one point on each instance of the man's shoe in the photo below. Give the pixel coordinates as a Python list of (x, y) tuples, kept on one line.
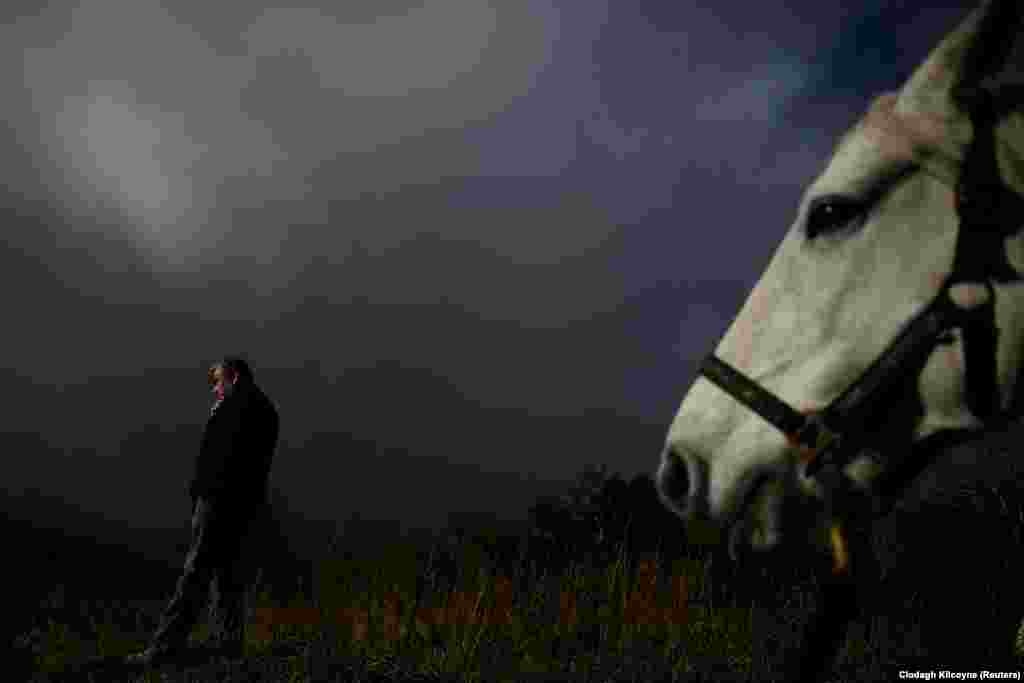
[(232, 650), (155, 656), (229, 649)]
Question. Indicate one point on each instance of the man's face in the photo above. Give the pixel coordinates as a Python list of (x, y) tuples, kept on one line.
[(223, 383)]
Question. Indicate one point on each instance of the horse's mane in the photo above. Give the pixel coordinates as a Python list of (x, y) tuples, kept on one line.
[(994, 59), (984, 53)]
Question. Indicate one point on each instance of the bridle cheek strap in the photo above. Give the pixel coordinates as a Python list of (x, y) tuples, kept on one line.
[(989, 212)]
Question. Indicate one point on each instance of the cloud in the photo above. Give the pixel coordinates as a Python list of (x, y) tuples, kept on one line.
[(160, 125), (145, 121), (427, 48), (759, 96)]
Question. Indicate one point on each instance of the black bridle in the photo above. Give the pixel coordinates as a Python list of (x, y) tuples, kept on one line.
[(989, 212)]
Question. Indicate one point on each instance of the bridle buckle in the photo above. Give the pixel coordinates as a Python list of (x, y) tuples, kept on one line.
[(819, 441)]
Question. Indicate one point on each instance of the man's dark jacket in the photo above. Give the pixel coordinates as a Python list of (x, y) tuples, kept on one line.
[(238, 445)]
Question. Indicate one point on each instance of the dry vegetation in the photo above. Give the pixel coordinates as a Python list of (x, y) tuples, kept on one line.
[(601, 586)]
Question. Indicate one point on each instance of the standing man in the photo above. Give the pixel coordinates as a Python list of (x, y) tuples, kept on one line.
[(228, 492)]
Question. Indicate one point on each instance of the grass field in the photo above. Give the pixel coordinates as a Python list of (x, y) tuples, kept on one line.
[(441, 615), (483, 606)]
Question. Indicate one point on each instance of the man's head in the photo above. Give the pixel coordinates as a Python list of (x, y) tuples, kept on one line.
[(226, 374)]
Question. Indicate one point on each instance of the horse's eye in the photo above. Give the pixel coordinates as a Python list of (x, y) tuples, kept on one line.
[(834, 213)]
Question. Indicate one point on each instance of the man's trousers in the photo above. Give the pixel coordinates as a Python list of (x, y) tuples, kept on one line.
[(221, 554)]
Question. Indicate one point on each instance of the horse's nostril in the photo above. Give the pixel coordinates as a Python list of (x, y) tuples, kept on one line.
[(673, 481)]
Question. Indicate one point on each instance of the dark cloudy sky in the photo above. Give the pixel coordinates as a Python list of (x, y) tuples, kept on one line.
[(469, 246)]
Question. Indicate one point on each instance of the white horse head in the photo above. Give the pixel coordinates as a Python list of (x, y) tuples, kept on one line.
[(873, 242)]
